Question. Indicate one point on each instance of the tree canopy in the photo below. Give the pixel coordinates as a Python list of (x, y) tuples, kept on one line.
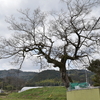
[(69, 36), (95, 67)]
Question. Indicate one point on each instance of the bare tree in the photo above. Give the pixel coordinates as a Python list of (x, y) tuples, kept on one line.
[(71, 35)]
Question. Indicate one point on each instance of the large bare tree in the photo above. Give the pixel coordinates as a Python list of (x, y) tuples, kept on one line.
[(72, 35)]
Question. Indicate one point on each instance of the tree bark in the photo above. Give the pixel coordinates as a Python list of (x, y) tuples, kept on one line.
[(64, 76)]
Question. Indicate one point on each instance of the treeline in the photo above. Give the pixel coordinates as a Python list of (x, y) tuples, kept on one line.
[(52, 78), (44, 78), (11, 83), (17, 73), (80, 75), (14, 79), (47, 82)]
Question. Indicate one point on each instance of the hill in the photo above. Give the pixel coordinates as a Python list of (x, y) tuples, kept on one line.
[(76, 75), (80, 75), (46, 78), (52, 77), (15, 79), (47, 74), (45, 93), (17, 73)]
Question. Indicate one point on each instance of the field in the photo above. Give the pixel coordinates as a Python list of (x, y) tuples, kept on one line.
[(45, 93)]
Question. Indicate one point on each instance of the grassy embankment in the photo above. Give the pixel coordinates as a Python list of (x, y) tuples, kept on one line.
[(45, 93)]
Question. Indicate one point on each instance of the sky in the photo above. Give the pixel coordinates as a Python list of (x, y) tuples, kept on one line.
[(11, 7)]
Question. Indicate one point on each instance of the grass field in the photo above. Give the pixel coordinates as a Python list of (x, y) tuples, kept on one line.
[(45, 93)]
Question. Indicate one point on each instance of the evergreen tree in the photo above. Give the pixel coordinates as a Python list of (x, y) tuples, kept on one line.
[(95, 67)]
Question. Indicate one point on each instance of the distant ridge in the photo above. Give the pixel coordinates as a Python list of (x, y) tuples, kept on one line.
[(32, 77), (17, 73), (75, 75)]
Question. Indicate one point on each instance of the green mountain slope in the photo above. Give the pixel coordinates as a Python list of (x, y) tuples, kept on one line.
[(16, 73), (52, 77)]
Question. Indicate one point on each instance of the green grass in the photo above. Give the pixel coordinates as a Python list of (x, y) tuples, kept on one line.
[(45, 93)]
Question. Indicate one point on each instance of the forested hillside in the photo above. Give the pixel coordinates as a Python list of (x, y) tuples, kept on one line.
[(17, 73), (52, 77), (46, 78), (15, 79)]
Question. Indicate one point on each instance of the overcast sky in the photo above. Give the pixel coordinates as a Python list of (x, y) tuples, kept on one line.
[(10, 7)]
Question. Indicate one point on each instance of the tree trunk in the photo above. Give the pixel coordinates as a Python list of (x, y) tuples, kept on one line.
[(64, 76)]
